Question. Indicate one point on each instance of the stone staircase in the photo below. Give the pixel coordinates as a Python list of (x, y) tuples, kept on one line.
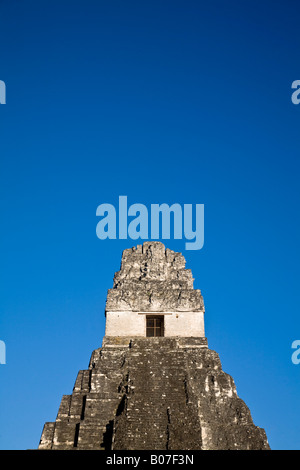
[(157, 412)]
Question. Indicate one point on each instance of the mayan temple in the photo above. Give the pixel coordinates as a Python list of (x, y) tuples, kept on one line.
[(154, 384)]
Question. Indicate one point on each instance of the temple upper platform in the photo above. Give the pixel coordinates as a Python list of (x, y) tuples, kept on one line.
[(153, 295)]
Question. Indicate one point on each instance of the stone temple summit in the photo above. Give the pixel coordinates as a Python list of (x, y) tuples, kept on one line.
[(154, 384)]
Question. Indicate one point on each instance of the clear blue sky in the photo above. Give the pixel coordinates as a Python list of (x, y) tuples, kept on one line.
[(162, 101)]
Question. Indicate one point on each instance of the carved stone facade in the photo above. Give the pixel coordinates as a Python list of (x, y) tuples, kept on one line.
[(154, 280), (158, 393)]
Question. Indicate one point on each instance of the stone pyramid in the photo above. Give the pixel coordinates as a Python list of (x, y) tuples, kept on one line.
[(154, 384)]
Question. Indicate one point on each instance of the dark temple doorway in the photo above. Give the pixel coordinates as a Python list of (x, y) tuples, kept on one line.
[(154, 325)]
